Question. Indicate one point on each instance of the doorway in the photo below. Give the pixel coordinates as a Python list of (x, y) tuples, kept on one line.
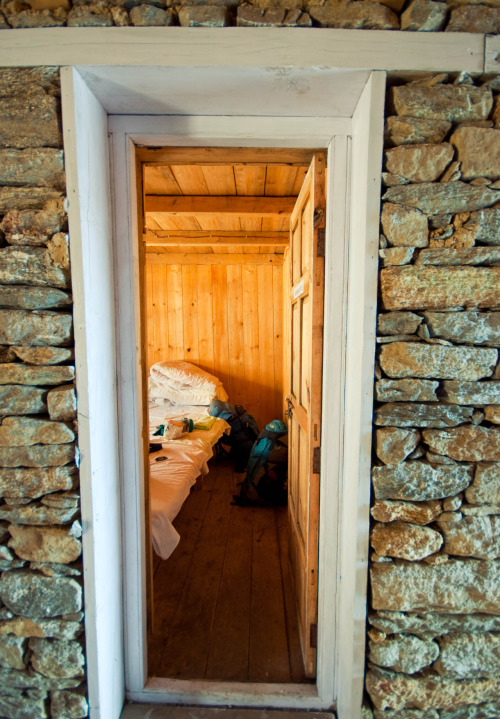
[(228, 287)]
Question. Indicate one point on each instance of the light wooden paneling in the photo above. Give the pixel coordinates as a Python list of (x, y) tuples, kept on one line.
[(228, 319)]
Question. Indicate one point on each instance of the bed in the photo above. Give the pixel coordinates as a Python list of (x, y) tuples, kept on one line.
[(186, 458)]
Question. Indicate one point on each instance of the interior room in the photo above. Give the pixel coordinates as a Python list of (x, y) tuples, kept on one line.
[(223, 296)]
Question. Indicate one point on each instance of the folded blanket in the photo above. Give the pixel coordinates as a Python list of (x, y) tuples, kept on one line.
[(183, 383)]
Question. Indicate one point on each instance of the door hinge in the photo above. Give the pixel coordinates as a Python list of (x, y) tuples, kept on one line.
[(313, 635), (320, 244), (316, 460)]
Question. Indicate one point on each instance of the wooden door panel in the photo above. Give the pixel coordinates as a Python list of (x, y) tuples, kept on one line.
[(306, 338)]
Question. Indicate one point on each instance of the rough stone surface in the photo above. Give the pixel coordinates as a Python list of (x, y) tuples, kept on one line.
[(418, 481), (68, 705), (404, 226), (37, 514), (32, 596), (46, 544), (402, 414), (470, 18), (419, 163), (478, 151), (396, 323), (474, 393), (35, 329), (472, 537), (393, 445), (406, 390), (29, 121), (405, 541), (485, 488), (19, 399), (466, 444), (403, 654), (43, 355), (393, 690), (33, 483), (459, 256), (492, 414), (428, 625), (23, 374), (434, 199), (424, 16), (421, 513), (33, 298), (26, 198), (148, 15), (61, 402), (203, 16), (465, 327), (43, 628), (485, 226), (37, 456), (458, 586), (57, 657), (410, 359), (356, 14), (32, 266), (490, 710), (438, 288), (88, 17), (25, 431), (443, 102), (415, 130), (396, 256), (12, 652), (38, 167), (469, 656), (18, 706)]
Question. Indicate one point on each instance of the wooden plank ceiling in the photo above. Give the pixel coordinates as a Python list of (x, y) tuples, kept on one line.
[(213, 207)]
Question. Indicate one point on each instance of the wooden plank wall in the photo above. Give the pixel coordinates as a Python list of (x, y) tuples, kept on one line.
[(227, 319)]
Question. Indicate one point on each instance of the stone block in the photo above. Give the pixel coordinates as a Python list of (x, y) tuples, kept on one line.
[(418, 481), (460, 256), (46, 544), (203, 16), (149, 15), (17, 706), (429, 625), (38, 18), (465, 444), (48, 455), (19, 399), (406, 390), (33, 266), (13, 651), (458, 586), (393, 690), (411, 359), (492, 414), (26, 198), (424, 16), (419, 163), (68, 705), (89, 16), (475, 18), (477, 537), (395, 323), (473, 393), (57, 657), (37, 375), (25, 431), (490, 710), (485, 226), (40, 167), (361, 15), (453, 103), (405, 541), (421, 513), (469, 656), (33, 298), (407, 654), (250, 16), (393, 445), (472, 327), (31, 595), (478, 151), (439, 288), (37, 514), (35, 329), (61, 403), (20, 82), (439, 198), (36, 482), (415, 130), (396, 256), (413, 414), (43, 355), (404, 226), (29, 121), (43, 628)]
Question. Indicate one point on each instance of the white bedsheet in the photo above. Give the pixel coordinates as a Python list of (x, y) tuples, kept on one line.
[(170, 481)]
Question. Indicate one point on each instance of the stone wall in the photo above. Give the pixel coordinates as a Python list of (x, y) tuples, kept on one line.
[(41, 622), (434, 623), (412, 15)]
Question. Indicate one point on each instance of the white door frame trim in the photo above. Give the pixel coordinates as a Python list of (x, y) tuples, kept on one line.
[(352, 227)]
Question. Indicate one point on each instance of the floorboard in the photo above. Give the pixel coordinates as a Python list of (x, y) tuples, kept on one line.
[(224, 607)]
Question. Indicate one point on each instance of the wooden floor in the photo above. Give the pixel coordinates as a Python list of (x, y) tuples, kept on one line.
[(224, 608)]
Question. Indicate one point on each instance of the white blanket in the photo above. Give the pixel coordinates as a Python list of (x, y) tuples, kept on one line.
[(170, 480), (183, 383)]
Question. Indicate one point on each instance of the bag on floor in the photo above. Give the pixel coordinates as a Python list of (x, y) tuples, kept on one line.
[(267, 470), (244, 431)]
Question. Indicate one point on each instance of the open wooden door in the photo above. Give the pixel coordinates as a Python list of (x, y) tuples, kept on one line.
[(304, 402)]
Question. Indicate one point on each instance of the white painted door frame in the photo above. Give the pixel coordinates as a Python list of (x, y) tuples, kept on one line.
[(354, 160)]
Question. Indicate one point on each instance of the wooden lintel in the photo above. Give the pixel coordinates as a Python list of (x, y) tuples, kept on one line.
[(179, 238), (225, 156), (184, 258), (216, 204)]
